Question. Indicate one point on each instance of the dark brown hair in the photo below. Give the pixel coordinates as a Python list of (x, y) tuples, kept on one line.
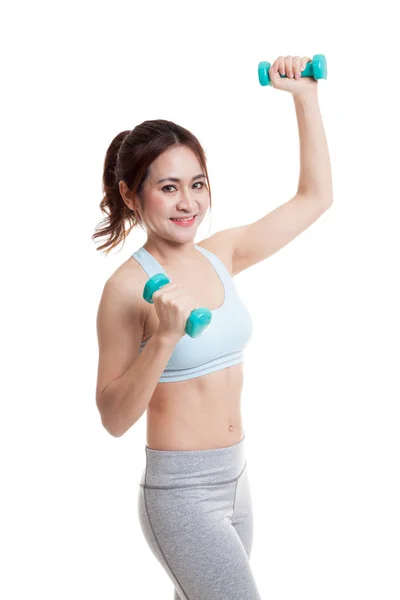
[(128, 158)]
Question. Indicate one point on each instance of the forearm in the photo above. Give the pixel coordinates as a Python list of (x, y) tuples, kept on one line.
[(127, 398), (315, 168)]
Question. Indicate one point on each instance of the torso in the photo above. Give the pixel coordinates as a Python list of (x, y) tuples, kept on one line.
[(203, 412)]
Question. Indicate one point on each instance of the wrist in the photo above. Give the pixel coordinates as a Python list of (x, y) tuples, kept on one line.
[(308, 97), (167, 339)]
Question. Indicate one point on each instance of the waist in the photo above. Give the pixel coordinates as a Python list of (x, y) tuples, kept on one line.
[(169, 468)]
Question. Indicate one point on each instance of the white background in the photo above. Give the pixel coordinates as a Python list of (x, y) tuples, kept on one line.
[(321, 392)]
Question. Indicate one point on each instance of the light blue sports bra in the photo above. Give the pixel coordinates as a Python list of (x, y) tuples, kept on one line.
[(221, 344)]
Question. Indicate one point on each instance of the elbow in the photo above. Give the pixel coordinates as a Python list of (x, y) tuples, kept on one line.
[(108, 420), (112, 419), (111, 427)]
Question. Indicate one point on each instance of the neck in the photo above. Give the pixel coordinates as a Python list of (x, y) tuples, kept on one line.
[(171, 253)]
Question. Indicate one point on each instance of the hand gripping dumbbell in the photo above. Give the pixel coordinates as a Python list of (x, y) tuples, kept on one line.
[(315, 68), (198, 320)]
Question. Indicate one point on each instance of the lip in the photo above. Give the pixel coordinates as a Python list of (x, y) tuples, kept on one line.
[(186, 223), (186, 217)]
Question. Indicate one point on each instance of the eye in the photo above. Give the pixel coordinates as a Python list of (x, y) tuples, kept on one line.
[(195, 183)]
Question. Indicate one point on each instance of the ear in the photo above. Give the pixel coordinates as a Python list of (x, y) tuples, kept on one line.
[(126, 194), (137, 207)]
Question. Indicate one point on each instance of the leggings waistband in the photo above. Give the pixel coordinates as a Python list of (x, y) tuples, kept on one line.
[(181, 468)]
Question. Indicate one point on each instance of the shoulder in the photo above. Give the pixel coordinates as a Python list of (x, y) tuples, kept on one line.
[(215, 244), (125, 286)]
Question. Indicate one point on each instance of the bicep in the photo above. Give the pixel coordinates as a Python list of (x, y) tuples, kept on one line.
[(119, 333)]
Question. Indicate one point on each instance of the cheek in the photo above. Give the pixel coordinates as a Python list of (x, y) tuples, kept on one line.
[(157, 206), (205, 201)]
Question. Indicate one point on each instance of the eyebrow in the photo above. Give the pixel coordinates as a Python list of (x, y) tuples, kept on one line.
[(178, 180)]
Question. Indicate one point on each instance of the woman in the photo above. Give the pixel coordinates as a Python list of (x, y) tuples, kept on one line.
[(194, 499)]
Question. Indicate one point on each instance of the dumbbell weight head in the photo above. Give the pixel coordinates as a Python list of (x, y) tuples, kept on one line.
[(316, 68), (199, 319), (153, 284)]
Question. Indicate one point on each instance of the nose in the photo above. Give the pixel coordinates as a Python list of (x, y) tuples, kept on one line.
[(187, 202)]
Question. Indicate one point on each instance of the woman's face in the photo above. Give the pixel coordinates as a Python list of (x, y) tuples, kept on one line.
[(168, 199)]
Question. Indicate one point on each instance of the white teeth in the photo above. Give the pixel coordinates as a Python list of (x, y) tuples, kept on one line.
[(187, 219)]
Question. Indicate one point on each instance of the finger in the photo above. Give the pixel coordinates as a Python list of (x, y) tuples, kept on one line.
[(304, 61), (275, 66), (289, 66), (296, 67), (281, 61), (273, 71)]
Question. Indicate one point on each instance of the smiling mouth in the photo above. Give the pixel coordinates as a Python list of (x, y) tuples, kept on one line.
[(183, 218)]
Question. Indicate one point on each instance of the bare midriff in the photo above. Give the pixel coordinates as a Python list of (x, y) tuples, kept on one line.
[(197, 414)]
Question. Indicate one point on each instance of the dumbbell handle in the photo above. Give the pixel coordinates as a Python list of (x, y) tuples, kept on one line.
[(198, 320), (316, 68)]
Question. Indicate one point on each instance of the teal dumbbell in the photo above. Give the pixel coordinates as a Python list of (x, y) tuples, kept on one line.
[(315, 68), (198, 320)]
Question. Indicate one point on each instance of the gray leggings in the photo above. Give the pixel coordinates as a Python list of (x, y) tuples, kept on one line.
[(195, 512)]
